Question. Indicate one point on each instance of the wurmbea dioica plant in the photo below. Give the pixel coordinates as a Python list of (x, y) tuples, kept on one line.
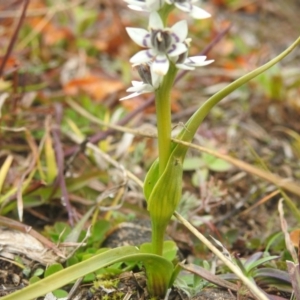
[(166, 51)]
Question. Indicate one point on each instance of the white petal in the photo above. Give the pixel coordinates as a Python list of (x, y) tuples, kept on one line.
[(177, 49), (161, 65), (199, 13), (180, 31), (198, 61), (130, 96), (186, 7), (136, 83), (136, 5), (155, 21), (144, 88), (156, 79), (170, 2), (133, 7), (138, 88), (142, 56), (135, 2), (184, 67), (138, 35), (137, 8), (154, 4), (140, 85)]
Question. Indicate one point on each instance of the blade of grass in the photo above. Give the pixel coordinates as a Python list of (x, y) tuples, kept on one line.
[(50, 155), (29, 171), (4, 170)]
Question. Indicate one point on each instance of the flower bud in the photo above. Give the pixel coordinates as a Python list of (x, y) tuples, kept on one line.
[(145, 73), (183, 56)]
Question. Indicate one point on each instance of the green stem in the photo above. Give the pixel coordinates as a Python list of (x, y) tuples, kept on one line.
[(165, 11), (163, 115), (158, 234)]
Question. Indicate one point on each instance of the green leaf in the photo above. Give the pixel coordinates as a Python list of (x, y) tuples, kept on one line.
[(167, 191), (60, 293), (170, 250), (159, 272), (193, 163), (50, 159), (59, 231), (34, 279), (53, 269), (99, 230), (73, 236), (164, 199), (151, 179), (216, 164), (38, 272), (259, 262)]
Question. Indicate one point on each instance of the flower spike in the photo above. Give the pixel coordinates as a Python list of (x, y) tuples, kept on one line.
[(161, 42)]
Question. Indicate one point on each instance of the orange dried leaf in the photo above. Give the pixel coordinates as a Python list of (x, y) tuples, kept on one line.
[(113, 36), (52, 34), (294, 236), (11, 64), (96, 87)]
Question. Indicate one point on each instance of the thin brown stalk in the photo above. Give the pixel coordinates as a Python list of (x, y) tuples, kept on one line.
[(14, 37), (60, 163)]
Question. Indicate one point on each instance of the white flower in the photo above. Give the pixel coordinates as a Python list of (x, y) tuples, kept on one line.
[(145, 5), (190, 63), (161, 42), (187, 6), (138, 88), (150, 82)]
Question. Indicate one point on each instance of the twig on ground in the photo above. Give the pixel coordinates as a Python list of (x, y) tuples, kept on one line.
[(60, 164)]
